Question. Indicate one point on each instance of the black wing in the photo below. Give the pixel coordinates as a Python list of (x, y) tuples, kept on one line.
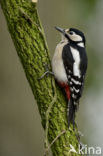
[(75, 83)]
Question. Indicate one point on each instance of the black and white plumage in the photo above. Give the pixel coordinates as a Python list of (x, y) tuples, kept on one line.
[(69, 65)]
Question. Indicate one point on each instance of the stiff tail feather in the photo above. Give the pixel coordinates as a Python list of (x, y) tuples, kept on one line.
[(71, 112)]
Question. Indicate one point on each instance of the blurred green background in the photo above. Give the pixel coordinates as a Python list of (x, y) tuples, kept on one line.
[(21, 132)]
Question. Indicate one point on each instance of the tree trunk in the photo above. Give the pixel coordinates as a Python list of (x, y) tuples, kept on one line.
[(28, 37)]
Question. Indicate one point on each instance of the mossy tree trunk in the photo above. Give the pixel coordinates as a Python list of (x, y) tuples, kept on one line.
[(28, 37)]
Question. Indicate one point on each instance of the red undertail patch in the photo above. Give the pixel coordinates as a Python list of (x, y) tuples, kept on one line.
[(67, 89)]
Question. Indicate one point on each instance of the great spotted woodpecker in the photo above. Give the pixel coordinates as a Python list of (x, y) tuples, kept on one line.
[(69, 65)]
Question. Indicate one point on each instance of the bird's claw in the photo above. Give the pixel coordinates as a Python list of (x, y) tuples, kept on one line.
[(46, 73)]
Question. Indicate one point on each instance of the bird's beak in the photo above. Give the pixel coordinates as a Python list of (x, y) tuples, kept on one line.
[(60, 30)]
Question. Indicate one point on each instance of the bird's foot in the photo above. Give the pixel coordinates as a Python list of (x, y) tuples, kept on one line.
[(46, 73)]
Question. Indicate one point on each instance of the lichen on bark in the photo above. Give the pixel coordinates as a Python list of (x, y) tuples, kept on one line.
[(29, 40)]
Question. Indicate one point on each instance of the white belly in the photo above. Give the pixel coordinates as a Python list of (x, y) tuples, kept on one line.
[(57, 64)]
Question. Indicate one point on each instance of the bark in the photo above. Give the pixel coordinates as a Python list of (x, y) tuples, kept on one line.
[(29, 40)]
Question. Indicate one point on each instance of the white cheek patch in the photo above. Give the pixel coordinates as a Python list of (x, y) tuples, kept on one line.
[(75, 37)]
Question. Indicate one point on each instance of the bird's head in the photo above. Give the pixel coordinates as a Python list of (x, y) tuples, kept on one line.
[(73, 35)]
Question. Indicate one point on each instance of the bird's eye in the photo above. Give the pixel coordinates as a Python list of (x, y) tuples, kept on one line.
[(71, 32)]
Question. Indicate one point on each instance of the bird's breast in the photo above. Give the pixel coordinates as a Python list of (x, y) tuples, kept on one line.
[(57, 63)]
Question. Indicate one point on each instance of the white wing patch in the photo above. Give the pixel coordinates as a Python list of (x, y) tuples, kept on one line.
[(76, 57)]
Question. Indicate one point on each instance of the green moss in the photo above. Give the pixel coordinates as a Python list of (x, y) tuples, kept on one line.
[(27, 34)]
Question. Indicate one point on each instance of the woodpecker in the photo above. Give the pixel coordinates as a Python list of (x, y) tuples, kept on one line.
[(69, 65)]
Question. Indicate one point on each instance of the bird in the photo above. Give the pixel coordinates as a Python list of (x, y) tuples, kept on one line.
[(69, 66)]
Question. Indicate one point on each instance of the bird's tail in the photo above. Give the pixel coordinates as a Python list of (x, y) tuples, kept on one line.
[(71, 112)]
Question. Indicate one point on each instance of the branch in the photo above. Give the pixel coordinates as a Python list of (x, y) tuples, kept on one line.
[(28, 37)]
